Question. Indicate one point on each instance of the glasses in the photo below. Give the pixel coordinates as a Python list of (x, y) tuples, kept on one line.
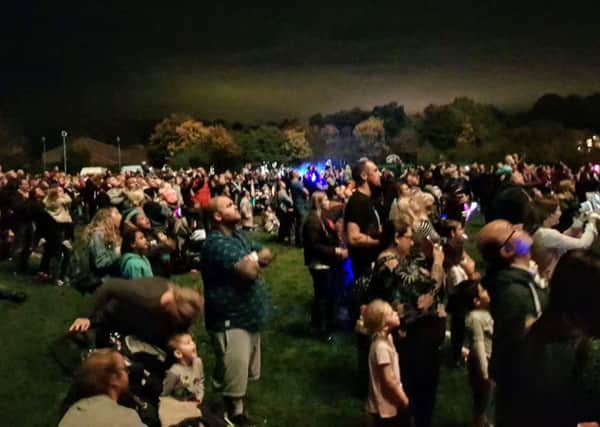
[(512, 233)]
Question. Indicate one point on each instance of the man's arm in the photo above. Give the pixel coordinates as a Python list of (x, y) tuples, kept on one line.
[(248, 267), (358, 239), (265, 256)]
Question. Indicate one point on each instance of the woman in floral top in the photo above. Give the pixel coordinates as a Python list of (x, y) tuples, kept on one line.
[(413, 285)]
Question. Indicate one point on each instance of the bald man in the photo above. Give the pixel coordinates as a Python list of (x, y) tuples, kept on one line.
[(235, 302), (516, 302)]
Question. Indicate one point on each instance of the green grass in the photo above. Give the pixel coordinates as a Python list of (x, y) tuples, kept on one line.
[(304, 382)]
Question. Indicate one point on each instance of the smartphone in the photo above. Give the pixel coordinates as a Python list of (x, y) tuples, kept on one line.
[(594, 199), (586, 207)]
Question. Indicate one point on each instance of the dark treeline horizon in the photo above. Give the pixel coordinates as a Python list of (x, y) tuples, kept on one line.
[(572, 111)]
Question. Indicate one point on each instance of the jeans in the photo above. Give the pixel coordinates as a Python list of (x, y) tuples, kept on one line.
[(299, 217), (285, 226), (56, 256), (22, 245), (325, 299)]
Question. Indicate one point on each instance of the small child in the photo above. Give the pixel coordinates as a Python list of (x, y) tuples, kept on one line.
[(387, 402), (185, 378), (479, 330), (183, 386), (270, 220)]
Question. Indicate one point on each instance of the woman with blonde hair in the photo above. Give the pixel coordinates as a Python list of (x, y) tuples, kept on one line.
[(58, 244), (103, 240), (421, 205), (400, 209)]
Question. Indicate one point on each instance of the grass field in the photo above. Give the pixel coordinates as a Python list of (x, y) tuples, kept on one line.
[(305, 382)]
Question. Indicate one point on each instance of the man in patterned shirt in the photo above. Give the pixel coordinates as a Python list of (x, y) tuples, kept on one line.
[(235, 304)]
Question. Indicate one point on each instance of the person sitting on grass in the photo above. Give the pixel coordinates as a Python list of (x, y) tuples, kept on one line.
[(134, 263), (387, 402), (473, 299), (103, 240), (101, 381), (270, 220), (161, 247), (183, 385), (185, 378)]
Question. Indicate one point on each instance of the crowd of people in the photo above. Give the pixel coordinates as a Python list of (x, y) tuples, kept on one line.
[(387, 259)]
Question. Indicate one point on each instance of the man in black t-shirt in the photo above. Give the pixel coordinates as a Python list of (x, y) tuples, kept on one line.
[(362, 224), (362, 221)]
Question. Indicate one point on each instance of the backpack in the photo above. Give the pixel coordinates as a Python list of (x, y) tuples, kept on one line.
[(79, 273), (362, 288)]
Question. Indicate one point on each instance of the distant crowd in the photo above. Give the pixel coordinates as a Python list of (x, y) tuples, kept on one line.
[(385, 248)]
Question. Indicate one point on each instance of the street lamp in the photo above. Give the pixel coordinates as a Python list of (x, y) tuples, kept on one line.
[(44, 153), (64, 135), (119, 151)]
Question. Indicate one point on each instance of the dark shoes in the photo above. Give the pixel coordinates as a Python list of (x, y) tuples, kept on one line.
[(18, 297)]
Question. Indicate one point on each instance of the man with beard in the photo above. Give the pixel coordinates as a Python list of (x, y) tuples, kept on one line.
[(362, 220), (363, 225), (235, 304)]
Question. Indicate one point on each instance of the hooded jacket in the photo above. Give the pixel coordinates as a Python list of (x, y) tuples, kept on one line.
[(135, 266)]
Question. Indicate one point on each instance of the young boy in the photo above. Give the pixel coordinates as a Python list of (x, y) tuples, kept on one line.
[(479, 326), (183, 386), (185, 378)]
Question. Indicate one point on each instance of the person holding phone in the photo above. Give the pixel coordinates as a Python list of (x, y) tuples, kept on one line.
[(550, 244), (413, 284)]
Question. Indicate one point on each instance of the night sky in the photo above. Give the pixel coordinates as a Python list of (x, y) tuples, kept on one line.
[(87, 61)]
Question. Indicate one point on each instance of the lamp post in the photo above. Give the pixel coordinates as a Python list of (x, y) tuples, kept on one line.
[(44, 153), (64, 135), (119, 151)]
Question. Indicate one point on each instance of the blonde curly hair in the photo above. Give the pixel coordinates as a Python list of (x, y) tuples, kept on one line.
[(103, 222)]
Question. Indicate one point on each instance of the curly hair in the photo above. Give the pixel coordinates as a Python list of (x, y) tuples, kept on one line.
[(102, 222)]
